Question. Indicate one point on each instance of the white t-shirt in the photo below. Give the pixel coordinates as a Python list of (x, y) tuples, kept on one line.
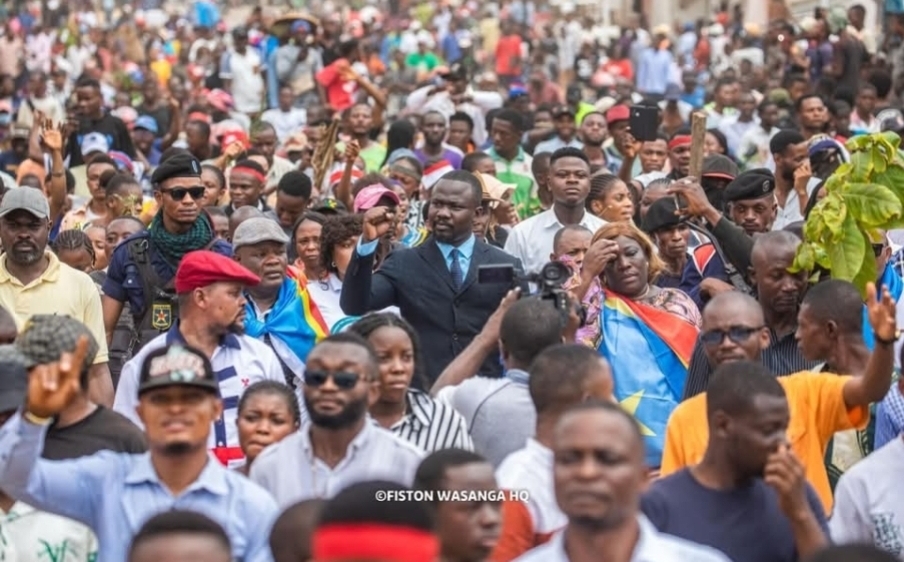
[(247, 82), (869, 501)]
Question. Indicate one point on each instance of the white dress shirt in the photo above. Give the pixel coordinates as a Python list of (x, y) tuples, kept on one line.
[(291, 473), (652, 546), (238, 362), (531, 240), (326, 294)]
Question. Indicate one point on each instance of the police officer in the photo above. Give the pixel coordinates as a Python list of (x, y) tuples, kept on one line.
[(142, 268)]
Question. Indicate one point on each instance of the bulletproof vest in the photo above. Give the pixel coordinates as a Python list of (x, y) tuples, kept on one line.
[(121, 341), (160, 304)]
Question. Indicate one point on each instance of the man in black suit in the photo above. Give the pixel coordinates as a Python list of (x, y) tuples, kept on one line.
[(435, 284)]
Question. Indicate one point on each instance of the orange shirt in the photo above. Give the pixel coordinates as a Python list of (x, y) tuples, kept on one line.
[(818, 411)]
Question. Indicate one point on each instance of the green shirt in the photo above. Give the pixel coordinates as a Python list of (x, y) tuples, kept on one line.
[(518, 172), (422, 61)]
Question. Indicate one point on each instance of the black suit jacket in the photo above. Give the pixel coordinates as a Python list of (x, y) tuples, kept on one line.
[(418, 281)]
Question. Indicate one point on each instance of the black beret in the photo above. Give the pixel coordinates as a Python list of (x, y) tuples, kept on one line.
[(751, 184), (180, 165), (661, 214)]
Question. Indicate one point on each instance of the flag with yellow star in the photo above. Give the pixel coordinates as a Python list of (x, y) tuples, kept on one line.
[(649, 350)]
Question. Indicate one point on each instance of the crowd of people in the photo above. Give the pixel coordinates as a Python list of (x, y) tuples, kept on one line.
[(260, 272)]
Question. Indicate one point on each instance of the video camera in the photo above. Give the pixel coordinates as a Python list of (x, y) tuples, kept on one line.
[(549, 282)]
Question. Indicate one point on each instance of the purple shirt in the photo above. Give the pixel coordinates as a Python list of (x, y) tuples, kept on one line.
[(450, 154)]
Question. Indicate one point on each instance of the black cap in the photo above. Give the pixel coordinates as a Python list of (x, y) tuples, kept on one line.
[(661, 214), (752, 184), (46, 337), (181, 165), (177, 365), (719, 166), (561, 110), (329, 206), (456, 72), (14, 382)]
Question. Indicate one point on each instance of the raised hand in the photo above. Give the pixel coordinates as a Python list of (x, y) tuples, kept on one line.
[(51, 137), (882, 313), (377, 223), (53, 386)]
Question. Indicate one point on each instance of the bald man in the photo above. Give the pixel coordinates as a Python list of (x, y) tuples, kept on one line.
[(779, 293), (821, 403)]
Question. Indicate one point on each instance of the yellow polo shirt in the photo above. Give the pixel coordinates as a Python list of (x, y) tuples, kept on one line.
[(60, 290)]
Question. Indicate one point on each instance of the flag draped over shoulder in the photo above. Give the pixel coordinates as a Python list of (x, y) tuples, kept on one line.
[(649, 350), (294, 319)]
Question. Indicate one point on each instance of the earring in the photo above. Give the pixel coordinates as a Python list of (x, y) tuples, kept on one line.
[(333, 265)]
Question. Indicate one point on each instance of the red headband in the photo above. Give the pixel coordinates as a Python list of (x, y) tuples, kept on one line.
[(679, 140), (250, 171), (374, 542)]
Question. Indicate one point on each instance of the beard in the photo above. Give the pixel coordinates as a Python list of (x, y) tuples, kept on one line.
[(25, 254), (788, 175), (349, 416), (177, 449)]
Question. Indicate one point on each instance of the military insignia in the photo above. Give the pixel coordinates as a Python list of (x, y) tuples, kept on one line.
[(162, 316)]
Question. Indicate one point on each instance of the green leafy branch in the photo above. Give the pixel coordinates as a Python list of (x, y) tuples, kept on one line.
[(863, 198)]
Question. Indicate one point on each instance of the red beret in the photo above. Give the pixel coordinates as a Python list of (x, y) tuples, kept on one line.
[(202, 268)]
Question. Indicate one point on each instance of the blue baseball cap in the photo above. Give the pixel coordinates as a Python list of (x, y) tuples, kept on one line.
[(147, 123)]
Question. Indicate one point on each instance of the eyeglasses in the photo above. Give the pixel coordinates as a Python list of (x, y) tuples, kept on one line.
[(343, 379), (737, 334), (178, 193), (878, 249)]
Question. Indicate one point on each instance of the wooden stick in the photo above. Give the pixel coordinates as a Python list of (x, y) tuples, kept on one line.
[(698, 136)]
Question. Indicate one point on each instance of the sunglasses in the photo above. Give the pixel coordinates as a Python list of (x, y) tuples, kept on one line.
[(178, 193), (737, 334), (343, 379), (878, 249)]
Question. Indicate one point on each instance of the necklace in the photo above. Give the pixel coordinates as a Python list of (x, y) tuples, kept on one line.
[(645, 293)]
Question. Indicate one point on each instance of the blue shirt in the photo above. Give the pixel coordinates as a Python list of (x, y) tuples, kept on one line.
[(465, 251), (889, 417), (653, 71), (115, 493), (123, 282)]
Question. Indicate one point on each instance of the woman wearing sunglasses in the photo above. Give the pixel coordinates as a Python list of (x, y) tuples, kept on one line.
[(409, 413)]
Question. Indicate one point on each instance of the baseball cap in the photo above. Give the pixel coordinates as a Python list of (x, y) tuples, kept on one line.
[(330, 206), (14, 382), (203, 267), (369, 196), (176, 365), (618, 113), (25, 199), (147, 123), (94, 142), (18, 132), (718, 166), (256, 230), (561, 110), (47, 336)]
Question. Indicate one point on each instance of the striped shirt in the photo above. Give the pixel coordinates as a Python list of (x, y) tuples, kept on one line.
[(238, 362), (782, 357), (431, 425)]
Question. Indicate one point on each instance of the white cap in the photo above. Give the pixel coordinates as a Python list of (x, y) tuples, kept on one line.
[(94, 142)]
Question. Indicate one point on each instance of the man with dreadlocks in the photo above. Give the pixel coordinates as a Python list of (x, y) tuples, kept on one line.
[(142, 269)]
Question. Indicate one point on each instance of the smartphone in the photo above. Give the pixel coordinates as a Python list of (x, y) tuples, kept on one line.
[(501, 274), (644, 122)]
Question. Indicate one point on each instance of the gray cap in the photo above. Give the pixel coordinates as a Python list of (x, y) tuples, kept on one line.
[(25, 199), (14, 382), (45, 337), (256, 230)]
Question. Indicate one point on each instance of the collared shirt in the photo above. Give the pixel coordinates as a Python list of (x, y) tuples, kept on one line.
[(326, 294), (465, 251), (790, 213), (652, 546), (531, 240), (291, 473), (889, 417), (488, 406), (238, 362), (431, 425), (59, 290), (30, 535), (115, 493), (555, 144)]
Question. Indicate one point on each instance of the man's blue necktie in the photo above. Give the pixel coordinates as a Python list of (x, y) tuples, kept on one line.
[(455, 268)]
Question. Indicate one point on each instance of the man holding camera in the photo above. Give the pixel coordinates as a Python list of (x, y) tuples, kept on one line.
[(434, 284), (569, 181)]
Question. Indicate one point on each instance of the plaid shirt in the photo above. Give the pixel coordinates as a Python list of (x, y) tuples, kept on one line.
[(889, 416)]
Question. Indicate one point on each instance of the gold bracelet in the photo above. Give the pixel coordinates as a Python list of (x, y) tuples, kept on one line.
[(37, 420)]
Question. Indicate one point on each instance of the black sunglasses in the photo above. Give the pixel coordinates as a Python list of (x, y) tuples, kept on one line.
[(878, 249), (178, 193), (737, 334), (343, 379)]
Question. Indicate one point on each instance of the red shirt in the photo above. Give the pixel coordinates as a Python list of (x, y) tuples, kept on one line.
[(340, 93), (508, 56)]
